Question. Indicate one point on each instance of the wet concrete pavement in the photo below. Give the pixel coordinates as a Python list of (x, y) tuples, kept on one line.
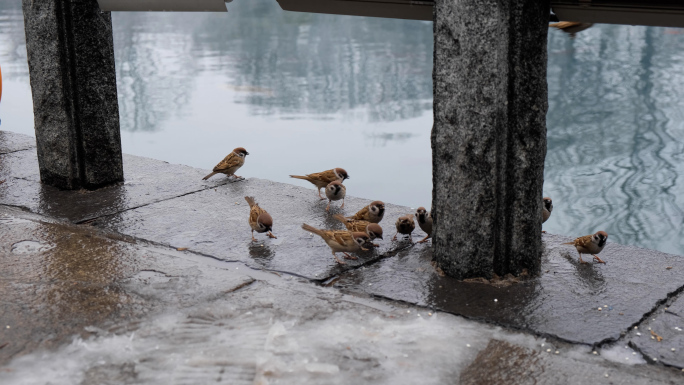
[(564, 302), (11, 142), (20, 169), (112, 301)]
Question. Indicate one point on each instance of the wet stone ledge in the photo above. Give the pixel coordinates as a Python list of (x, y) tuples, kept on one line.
[(214, 222), (590, 304), (147, 181), (59, 281), (661, 336), (11, 142), (85, 306), (170, 205)]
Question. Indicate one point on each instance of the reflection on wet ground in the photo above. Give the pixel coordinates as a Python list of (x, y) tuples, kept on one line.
[(57, 282), (563, 302)]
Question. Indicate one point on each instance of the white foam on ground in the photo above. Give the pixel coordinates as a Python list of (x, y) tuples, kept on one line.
[(235, 347), (622, 354), (261, 347)]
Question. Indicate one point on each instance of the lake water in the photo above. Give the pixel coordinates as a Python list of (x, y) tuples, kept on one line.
[(307, 92)]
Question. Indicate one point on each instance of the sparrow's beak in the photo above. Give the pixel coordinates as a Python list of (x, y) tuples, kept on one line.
[(246, 153), (379, 237)]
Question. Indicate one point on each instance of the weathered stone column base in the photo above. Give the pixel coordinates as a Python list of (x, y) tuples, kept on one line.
[(489, 135), (71, 63)]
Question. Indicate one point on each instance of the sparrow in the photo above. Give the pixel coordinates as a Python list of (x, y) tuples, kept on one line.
[(425, 222), (230, 163), (547, 207), (335, 191), (373, 230), (405, 225), (590, 244), (321, 179), (341, 241), (571, 27), (259, 220), (372, 213)]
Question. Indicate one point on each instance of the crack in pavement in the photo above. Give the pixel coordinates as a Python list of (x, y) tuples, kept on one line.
[(12, 152), (87, 221)]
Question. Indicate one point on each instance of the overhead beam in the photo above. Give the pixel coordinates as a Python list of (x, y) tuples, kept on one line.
[(664, 13), (652, 13), (394, 9), (164, 5)]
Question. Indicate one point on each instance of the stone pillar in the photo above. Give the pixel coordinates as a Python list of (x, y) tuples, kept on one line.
[(71, 65), (489, 135)]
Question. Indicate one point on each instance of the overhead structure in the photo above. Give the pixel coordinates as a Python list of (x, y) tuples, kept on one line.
[(664, 13), (394, 9), (164, 5), (659, 13)]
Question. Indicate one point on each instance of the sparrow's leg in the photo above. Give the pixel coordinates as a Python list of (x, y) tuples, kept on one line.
[(424, 239), (341, 262), (253, 239), (328, 208), (270, 235), (581, 261), (319, 193), (598, 259), (342, 204), (351, 256), (395, 237), (410, 238), (376, 245)]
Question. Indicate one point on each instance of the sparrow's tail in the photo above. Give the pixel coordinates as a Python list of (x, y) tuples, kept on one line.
[(312, 229), (301, 177), (564, 24), (568, 243), (250, 200), (340, 218), (209, 176)]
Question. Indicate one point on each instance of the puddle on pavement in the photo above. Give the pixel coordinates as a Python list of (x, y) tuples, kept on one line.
[(30, 247)]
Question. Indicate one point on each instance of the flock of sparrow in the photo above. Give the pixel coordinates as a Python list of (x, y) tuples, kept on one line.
[(363, 227)]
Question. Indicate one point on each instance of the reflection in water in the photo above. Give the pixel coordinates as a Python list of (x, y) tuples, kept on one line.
[(381, 139), (303, 66), (193, 86), (615, 133)]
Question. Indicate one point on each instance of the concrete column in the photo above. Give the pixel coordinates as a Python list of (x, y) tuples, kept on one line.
[(489, 135), (71, 64)]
